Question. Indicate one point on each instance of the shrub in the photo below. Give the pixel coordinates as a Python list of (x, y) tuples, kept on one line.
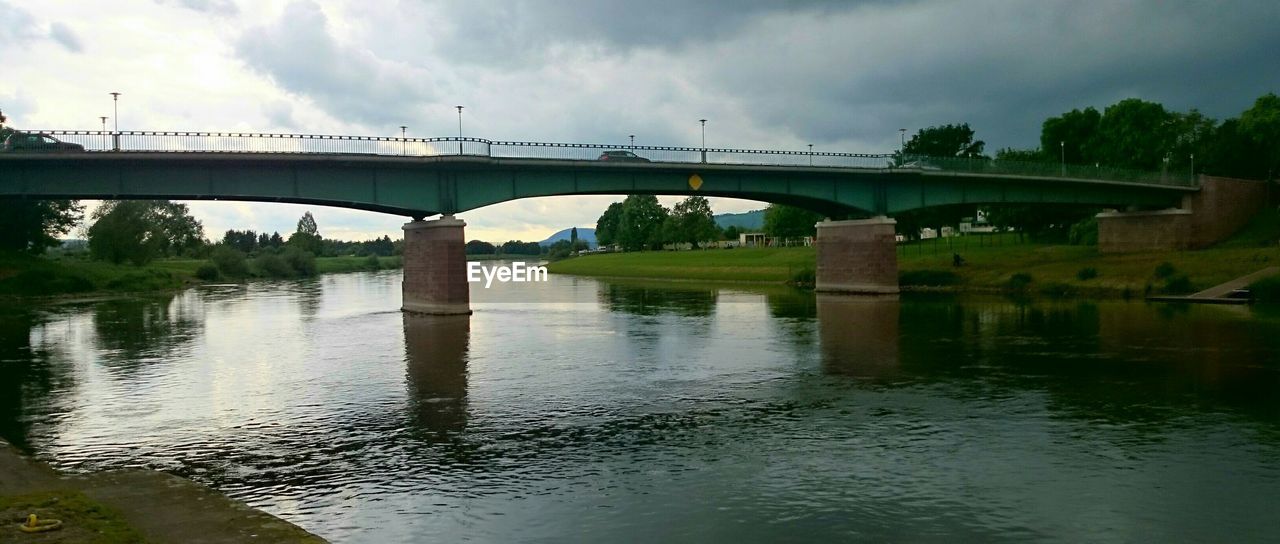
[(1019, 281), (207, 272), (1266, 289), (230, 262), (272, 265), (1058, 290), (1165, 270), (1178, 285), (1087, 273), (302, 262), (928, 277), (805, 277), (371, 262), (1084, 232)]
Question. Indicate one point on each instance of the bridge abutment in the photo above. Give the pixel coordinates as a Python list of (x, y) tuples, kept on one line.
[(1217, 211), (435, 267), (857, 257)]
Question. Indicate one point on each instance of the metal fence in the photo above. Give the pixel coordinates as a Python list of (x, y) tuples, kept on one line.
[(249, 142)]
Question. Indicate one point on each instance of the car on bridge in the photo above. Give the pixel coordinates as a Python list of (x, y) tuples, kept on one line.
[(621, 156), (34, 142)]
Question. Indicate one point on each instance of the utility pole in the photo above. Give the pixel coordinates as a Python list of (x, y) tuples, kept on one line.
[(459, 129)]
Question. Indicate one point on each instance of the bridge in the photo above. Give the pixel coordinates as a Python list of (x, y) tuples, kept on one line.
[(422, 177)]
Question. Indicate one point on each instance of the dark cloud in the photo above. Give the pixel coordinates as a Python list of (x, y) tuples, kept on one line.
[(65, 37), (350, 82)]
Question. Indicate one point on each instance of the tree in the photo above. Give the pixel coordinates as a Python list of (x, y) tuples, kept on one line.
[(244, 241), (307, 237), (479, 247), (640, 224), (138, 231), (1072, 135), (1020, 155), (731, 232), (607, 225), (944, 141), (1134, 133), (790, 222), (33, 225), (573, 236), (1261, 125), (693, 221), (276, 241)]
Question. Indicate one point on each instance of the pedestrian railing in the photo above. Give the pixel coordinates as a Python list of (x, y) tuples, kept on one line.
[(253, 142)]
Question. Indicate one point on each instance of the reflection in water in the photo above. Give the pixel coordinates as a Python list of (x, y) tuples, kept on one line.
[(590, 411), (135, 333), (859, 335), (649, 300), (436, 363)]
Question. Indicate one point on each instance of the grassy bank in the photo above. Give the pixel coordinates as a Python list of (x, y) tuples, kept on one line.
[(997, 264), (83, 519), (24, 275)]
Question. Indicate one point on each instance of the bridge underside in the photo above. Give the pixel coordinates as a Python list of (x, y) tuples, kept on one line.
[(419, 187), (853, 256)]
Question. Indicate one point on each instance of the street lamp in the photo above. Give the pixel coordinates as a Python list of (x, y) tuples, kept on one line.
[(115, 119), (902, 140), (1193, 166), (104, 125), (704, 139), (459, 129), (404, 145), (633, 140), (1063, 146), (810, 154)]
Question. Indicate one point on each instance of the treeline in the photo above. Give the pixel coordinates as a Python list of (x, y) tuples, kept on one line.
[(1133, 134), (640, 222)]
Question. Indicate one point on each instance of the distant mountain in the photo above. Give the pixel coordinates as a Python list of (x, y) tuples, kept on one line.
[(753, 220), (584, 234)]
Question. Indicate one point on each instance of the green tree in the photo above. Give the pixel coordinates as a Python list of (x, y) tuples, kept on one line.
[(138, 231), (731, 232), (33, 225), (479, 247), (693, 221), (790, 222), (1020, 155), (307, 238), (640, 224), (1134, 133), (607, 225), (1261, 125), (1072, 135), (944, 141)]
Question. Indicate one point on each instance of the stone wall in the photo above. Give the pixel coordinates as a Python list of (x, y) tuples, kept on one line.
[(435, 268), (857, 256), (1206, 217)]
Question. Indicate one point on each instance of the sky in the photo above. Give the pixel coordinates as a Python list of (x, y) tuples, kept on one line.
[(841, 75)]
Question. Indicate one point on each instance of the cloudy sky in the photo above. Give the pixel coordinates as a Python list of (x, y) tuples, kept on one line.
[(843, 76)]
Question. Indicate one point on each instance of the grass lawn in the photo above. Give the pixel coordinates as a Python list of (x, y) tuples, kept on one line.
[(83, 520), (1057, 269)]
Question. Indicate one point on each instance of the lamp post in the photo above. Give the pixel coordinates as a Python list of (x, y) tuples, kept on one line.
[(810, 154), (1193, 166), (115, 119), (902, 140), (459, 129), (704, 139), (104, 125), (1063, 146), (633, 140), (404, 145)]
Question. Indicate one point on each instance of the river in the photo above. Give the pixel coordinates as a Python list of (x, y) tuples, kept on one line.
[(606, 412)]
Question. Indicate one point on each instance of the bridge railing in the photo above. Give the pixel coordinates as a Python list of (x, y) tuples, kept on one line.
[(251, 142)]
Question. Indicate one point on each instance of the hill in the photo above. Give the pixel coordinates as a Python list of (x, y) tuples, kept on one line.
[(753, 220), (585, 234)]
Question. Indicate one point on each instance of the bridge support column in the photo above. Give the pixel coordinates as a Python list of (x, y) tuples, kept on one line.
[(859, 257), (435, 268)]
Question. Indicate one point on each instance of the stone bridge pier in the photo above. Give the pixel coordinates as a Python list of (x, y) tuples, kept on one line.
[(435, 267), (857, 257)]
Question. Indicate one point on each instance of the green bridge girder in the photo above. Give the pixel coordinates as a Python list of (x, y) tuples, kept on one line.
[(423, 186)]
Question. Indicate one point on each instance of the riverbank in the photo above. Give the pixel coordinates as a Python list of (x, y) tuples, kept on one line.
[(127, 506), (26, 276), (999, 264)]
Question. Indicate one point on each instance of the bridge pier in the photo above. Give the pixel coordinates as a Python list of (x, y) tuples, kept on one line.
[(857, 257), (435, 267)]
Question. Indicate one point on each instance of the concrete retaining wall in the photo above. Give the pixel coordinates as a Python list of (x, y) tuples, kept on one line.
[(1217, 211)]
